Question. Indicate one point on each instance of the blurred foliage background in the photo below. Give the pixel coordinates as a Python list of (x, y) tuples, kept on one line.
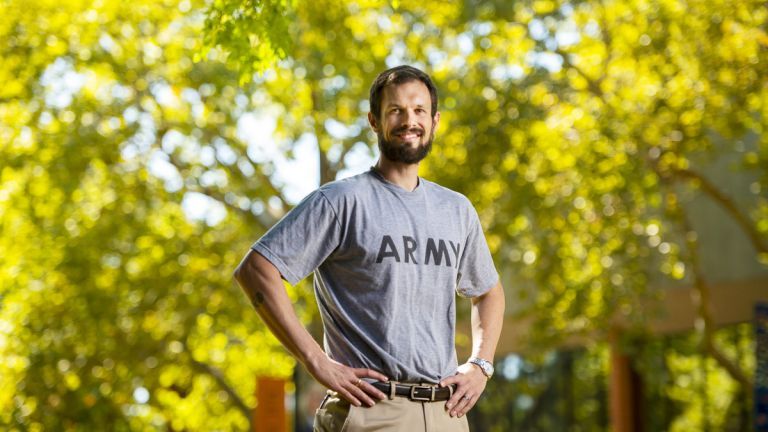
[(135, 172)]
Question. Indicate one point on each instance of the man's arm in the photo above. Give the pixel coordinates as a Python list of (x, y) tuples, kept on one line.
[(487, 319), (261, 281)]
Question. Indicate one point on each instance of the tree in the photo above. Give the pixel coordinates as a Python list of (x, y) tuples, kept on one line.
[(577, 129), (583, 131), (610, 134), (598, 115), (117, 307)]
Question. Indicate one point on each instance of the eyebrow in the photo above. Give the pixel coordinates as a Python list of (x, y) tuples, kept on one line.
[(394, 105)]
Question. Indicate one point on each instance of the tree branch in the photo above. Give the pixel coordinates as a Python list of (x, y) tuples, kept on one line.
[(220, 380), (592, 85), (700, 295), (262, 179), (702, 300), (607, 39), (726, 203), (265, 220), (347, 145)]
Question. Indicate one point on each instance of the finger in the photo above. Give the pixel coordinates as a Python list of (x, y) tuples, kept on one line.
[(371, 390), (461, 406), (348, 396), (469, 402), (370, 373), (360, 394), (368, 389), (455, 379), (356, 388), (458, 392), (455, 400)]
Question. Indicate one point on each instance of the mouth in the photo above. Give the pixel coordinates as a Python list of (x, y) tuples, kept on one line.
[(409, 134)]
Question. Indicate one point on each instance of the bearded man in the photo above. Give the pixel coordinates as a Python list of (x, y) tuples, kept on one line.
[(389, 251)]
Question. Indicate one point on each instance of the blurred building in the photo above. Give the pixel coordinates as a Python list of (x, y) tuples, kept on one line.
[(624, 398)]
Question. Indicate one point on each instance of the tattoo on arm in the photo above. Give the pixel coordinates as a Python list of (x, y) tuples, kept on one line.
[(257, 299)]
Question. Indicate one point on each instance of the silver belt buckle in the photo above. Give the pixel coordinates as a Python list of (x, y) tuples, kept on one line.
[(430, 398)]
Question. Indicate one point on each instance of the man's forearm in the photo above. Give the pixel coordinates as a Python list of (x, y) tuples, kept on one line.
[(264, 287), (487, 320), (262, 283)]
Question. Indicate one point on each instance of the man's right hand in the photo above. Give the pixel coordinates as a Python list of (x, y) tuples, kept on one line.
[(346, 381), (262, 282)]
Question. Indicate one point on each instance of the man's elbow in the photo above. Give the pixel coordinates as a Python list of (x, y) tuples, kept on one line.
[(256, 271), (494, 295), (245, 270)]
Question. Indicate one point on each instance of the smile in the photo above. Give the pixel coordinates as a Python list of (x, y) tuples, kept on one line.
[(409, 135)]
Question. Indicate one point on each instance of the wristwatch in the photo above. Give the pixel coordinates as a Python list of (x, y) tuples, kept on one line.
[(485, 366)]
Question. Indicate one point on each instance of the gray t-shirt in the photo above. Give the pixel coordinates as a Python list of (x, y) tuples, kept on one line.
[(387, 265)]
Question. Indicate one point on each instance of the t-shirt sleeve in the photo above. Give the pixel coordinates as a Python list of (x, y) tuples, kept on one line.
[(302, 239), (477, 273)]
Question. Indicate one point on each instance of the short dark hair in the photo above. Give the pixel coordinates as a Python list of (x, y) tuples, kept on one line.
[(399, 75)]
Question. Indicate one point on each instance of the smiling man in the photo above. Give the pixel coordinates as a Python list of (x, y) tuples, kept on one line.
[(389, 251)]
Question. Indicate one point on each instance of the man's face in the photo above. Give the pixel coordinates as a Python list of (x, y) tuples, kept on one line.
[(406, 127)]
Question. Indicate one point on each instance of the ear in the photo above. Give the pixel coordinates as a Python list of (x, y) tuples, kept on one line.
[(435, 121), (372, 122)]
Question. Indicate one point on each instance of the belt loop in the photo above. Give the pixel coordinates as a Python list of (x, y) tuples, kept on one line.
[(391, 390), (433, 394)]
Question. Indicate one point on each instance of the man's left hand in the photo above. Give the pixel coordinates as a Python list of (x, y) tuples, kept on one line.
[(470, 383)]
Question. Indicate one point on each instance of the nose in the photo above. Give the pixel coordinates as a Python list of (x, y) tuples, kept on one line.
[(409, 118)]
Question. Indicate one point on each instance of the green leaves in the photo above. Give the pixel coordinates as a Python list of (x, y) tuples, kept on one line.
[(255, 34), (583, 133), (117, 307)]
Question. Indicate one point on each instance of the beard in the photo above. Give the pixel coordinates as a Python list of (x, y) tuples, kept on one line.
[(404, 153)]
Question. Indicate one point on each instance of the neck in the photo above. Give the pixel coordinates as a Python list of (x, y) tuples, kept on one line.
[(404, 175)]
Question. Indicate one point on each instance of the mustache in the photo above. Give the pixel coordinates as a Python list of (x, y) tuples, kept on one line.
[(408, 129)]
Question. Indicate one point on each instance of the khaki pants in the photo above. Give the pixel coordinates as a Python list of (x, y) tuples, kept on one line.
[(390, 415)]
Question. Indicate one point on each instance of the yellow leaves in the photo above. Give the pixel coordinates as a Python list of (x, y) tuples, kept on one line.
[(691, 374), (510, 162), (740, 43), (13, 87), (540, 95), (543, 7), (455, 151), (562, 306), (198, 403), (72, 380), (569, 139), (595, 306), (204, 322), (678, 270), (494, 242)]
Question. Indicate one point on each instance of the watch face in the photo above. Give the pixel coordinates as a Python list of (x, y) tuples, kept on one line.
[(485, 365)]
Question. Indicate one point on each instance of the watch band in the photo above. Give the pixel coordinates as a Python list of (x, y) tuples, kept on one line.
[(485, 366)]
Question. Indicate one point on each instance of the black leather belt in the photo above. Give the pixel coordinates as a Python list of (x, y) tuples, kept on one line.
[(415, 392)]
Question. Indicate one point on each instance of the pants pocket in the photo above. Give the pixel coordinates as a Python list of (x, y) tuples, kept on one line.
[(332, 414)]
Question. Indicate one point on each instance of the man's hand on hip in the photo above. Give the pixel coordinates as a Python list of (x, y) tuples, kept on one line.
[(347, 381), (470, 383)]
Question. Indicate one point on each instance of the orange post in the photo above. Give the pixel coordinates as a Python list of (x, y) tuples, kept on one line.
[(624, 389), (270, 415)]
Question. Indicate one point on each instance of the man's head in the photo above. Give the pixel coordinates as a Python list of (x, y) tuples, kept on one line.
[(404, 113)]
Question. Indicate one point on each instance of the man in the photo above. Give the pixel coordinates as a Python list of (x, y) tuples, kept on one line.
[(389, 250)]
